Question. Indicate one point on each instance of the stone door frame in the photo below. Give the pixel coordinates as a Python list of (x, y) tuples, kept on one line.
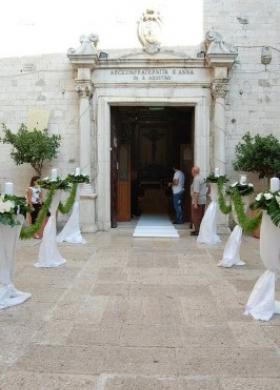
[(104, 103)]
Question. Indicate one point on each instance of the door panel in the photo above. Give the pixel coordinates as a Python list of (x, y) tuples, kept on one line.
[(124, 184), (186, 162), (114, 170)]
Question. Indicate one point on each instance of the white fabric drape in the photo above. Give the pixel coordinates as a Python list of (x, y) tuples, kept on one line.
[(9, 295), (71, 231), (208, 228), (261, 303), (231, 255), (49, 255)]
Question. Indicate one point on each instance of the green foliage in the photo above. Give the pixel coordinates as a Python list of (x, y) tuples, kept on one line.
[(273, 211), (17, 205), (215, 179), (65, 208), (29, 231), (21, 206), (33, 147), (9, 219), (259, 154), (58, 184), (225, 209), (78, 179), (242, 189), (269, 201), (247, 224)]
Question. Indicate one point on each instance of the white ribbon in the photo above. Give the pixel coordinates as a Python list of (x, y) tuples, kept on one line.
[(261, 303), (49, 255), (9, 295), (71, 232)]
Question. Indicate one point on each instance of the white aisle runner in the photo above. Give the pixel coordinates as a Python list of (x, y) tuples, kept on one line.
[(153, 225)]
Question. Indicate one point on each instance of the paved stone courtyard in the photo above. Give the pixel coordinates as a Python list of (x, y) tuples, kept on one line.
[(137, 314)]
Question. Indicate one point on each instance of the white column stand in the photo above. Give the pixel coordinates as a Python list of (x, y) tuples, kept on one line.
[(231, 254), (9, 295), (262, 304), (49, 255), (208, 228), (71, 232)]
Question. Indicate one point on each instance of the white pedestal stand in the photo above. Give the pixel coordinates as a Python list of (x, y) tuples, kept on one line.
[(208, 227), (231, 255), (71, 231), (261, 303), (9, 295), (49, 255)]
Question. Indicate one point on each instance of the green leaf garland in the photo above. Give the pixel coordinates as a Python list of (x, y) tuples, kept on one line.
[(225, 209), (65, 208), (215, 179), (247, 224), (29, 231)]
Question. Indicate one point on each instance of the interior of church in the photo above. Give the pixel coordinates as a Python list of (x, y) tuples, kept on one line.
[(147, 142)]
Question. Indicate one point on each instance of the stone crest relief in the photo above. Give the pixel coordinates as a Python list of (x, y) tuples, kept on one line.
[(149, 31)]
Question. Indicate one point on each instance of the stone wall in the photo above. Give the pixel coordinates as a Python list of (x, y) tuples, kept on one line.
[(47, 82), (42, 82), (253, 100)]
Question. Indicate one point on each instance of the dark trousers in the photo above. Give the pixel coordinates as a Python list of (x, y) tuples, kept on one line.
[(178, 203), (197, 215)]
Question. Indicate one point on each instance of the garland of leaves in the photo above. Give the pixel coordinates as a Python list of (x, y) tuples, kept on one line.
[(247, 224), (71, 182), (215, 179), (224, 207), (242, 189), (67, 206), (58, 184), (75, 180), (236, 192), (29, 231)]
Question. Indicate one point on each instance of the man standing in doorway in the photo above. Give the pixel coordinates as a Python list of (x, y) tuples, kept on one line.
[(198, 195), (177, 186)]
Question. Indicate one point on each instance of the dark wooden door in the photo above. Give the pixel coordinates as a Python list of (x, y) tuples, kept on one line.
[(114, 169), (124, 183)]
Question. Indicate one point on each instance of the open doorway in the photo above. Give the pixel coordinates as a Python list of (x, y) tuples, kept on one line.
[(146, 142)]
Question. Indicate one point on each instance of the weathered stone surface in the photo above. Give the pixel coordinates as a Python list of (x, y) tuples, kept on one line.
[(98, 329)]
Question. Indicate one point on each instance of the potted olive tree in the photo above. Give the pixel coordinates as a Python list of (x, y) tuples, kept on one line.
[(258, 154), (32, 146)]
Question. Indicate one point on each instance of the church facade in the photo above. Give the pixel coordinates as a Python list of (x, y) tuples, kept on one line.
[(128, 113)]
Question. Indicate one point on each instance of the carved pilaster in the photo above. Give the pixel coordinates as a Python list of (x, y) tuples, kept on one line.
[(84, 89), (219, 90)]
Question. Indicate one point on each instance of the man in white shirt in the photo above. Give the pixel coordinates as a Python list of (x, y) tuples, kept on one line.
[(198, 194), (177, 185)]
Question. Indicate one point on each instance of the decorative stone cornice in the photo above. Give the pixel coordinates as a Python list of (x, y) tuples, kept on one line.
[(86, 54), (84, 89), (218, 52), (219, 89)]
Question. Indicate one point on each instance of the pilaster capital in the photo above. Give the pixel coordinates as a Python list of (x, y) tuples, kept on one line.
[(84, 89), (86, 54), (219, 89), (218, 52)]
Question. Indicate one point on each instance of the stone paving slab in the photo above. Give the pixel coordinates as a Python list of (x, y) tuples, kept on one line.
[(138, 314)]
